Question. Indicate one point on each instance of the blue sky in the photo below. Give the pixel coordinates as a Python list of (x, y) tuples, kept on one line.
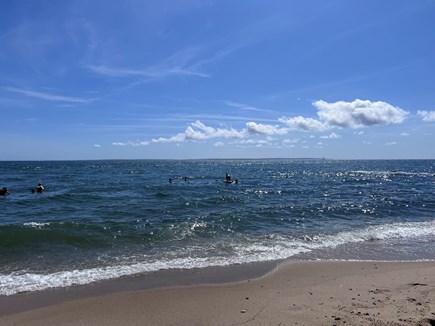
[(217, 79)]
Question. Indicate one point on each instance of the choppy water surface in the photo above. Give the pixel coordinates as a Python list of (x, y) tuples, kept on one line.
[(104, 219)]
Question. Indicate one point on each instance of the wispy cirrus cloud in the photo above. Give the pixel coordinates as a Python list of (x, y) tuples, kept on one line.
[(136, 143), (179, 64), (153, 72), (48, 96), (244, 107), (192, 60), (242, 38)]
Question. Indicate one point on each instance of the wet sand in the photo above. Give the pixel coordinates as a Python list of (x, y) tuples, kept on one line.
[(295, 293)]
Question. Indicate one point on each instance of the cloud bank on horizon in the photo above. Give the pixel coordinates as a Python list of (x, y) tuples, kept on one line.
[(353, 115), (208, 79)]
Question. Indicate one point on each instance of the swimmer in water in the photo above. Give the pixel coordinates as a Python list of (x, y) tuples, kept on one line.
[(4, 191), (39, 188)]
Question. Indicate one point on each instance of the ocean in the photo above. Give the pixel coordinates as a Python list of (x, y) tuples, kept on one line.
[(101, 220)]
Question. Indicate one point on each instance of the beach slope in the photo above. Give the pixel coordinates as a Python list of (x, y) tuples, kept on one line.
[(296, 293)]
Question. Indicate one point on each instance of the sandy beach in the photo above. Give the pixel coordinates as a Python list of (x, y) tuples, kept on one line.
[(295, 293)]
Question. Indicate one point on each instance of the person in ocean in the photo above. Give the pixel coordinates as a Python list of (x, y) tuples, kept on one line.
[(227, 178), (39, 188), (4, 191)]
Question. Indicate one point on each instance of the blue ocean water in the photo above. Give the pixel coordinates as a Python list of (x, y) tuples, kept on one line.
[(105, 219)]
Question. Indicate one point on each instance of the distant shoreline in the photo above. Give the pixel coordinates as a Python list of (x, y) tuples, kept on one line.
[(226, 159)]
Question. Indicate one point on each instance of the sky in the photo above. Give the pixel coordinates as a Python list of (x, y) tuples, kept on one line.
[(192, 79)]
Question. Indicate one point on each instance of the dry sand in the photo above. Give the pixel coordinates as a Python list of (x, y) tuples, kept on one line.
[(297, 293)]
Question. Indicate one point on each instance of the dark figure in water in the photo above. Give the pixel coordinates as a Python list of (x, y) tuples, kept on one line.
[(39, 188), (170, 180), (4, 191), (227, 178)]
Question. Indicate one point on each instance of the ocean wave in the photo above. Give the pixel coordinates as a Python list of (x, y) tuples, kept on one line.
[(36, 224), (266, 248)]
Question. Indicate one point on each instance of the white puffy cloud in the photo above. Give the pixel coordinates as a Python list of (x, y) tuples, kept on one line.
[(262, 142), (332, 135), (391, 143), (205, 132), (219, 144), (426, 115), (257, 142), (96, 145), (269, 130), (304, 124), (290, 141), (356, 114), (248, 142), (178, 138), (198, 131)]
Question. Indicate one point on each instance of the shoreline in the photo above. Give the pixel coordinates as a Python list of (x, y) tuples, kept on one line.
[(25, 301), (290, 292)]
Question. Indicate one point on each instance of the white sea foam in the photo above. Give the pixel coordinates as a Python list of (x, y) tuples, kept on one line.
[(36, 224), (390, 173), (268, 248), (16, 282)]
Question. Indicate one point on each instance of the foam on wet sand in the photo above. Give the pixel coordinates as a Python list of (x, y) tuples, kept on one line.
[(295, 293)]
